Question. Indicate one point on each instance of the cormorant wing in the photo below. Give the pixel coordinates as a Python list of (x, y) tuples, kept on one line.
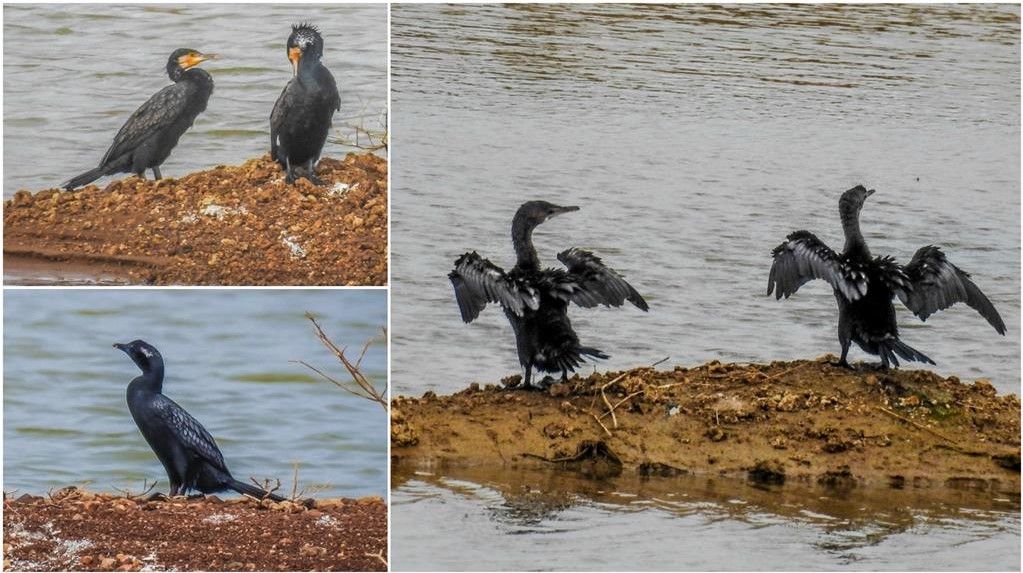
[(327, 80), (938, 284), (478, 281), (188, 431), (597, 284), (158, 113), (276, 119), (803, 257)]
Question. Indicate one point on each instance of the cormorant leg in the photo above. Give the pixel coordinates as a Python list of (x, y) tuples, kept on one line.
[(564, 375), (174, 489), (842, 362), (311, 173), (156, 172), (290, 177), (526, 380)]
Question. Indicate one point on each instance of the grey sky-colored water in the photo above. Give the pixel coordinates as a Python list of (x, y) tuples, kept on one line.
[(73, 73), (228, 362), (694, 138)]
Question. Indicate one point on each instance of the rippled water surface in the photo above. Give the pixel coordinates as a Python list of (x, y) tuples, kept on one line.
[(694, 139), (228, 362), (74, 73)]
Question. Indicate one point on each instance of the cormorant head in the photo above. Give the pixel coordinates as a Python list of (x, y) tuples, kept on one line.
[(532, 213), (185, 58), (143, 354), (853, 199), (304, 43)]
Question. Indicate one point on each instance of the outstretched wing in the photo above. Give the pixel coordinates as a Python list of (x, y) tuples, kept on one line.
[(803, 257), (189, 431), (478, 281), (152, 117), (938, 284), (597, 284)]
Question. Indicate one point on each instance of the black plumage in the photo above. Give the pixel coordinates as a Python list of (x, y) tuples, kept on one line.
[(301, 116), (864, 286), (184, 447), (145, 141), (535, 300)]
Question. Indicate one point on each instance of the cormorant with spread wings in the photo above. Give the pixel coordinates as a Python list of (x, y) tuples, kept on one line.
[(535, 300), (864, 286)]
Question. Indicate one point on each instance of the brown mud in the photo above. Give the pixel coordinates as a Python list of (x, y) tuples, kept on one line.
[(75, 530), (230, 225), (784, 424)]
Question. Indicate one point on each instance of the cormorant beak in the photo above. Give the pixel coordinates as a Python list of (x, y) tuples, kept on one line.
[(121, 347), (194, 59), (294, 54), (870, 192), (561, 210)]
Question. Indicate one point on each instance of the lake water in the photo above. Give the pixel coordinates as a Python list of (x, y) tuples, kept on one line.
[(694, 138), (228, 362), (73, 73)]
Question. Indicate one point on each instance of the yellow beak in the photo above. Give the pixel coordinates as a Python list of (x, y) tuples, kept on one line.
[(194, 59), (294, 54)]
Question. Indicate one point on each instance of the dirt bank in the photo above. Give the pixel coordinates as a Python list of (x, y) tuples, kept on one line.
[(230, 225), (779, 423), (81, 531)]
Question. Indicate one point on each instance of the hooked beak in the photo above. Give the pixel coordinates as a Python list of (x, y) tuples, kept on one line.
[(870, 192), (121, 347), (192, 60), (294, 55), (561, 210)]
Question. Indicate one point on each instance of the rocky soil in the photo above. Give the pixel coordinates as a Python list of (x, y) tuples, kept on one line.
[(75, 530), (802, 422), (230, 225)]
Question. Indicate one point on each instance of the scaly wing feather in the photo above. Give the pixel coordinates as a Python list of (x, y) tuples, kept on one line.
[(477, 281), (802, 258), (597, 284), (193, 435), (938, 284)]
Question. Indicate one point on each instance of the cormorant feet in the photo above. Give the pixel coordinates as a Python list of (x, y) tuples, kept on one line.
[(843, 364), (315, 180), (540, 386)]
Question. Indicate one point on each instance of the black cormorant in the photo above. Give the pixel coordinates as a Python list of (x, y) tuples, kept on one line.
[(864, 286), (301, 117), (187, 451), (535, 300), (147, 138)]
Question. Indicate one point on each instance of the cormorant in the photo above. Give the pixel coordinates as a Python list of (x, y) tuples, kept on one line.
[(301, 116), (147, 138), (535, 300), (864, 286), (187, 451)]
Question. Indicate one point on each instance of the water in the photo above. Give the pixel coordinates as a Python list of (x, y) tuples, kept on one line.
[(75, 72), (694, 138), (542, 521), (228, 359)]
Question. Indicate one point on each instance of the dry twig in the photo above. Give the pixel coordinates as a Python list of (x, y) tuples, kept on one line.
[(366, 389), (146, 488), (920, 426)]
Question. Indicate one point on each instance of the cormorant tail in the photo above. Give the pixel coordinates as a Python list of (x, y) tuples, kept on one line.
[(588, 351), (83, 179), (894, 346), (249, 489)]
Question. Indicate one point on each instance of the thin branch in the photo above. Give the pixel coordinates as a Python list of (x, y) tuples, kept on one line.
[(920, 426), (366, 389)]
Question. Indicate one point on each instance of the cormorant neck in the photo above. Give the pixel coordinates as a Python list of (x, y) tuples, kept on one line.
[(307, 68), (854, 242), (151, 380), (522, 239)]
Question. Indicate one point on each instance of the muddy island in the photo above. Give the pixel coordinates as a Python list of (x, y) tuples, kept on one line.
[(76, 530), (786, 423), (230, 225)]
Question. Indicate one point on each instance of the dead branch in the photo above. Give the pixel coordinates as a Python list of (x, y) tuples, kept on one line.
[(265, 486), (379, 555), (365, 389), (919, 426), (133, 496)]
